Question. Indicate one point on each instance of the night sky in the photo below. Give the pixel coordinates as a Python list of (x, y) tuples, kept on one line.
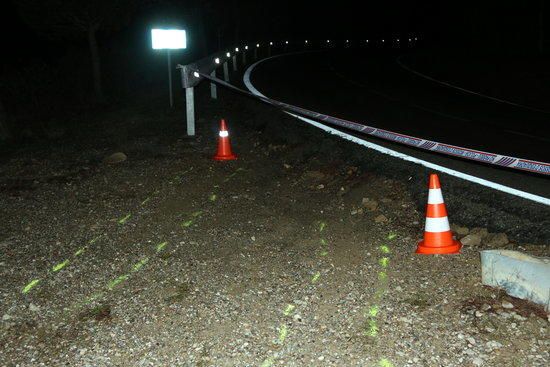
[(497, 24)]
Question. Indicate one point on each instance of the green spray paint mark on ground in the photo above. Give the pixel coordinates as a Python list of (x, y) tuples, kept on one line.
[(117, 281), (233, 174), (322, 226), (385, 249), (373, 311), (80, 251), (316, 277), (288, 310), (385, 363), (323, 242), (140, 264), (30, 286), (268, 362), (123, 220), (187, 223), (324, 253), (372, 329), (382, 275), (283, 332), (161, 246), (60, 266), (391, 236), (379, 293), (145, 201), (92, 241), (92, 298), (196, 214), (213, 197), (384, 262)]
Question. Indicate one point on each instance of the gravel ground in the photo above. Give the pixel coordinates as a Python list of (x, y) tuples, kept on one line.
[(288, 256)]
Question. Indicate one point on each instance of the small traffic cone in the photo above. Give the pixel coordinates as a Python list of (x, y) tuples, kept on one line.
[(224, 146), (438, 238)]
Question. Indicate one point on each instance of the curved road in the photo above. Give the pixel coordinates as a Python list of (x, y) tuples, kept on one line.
[(371, 88)]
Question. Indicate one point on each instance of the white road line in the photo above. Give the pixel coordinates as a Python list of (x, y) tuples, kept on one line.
[(398, 60), (393, 153)]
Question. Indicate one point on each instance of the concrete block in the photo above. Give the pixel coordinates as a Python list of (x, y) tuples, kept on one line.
[(519, 275)]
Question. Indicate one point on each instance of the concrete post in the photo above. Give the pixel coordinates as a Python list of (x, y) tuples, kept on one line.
[(190, 109), (213, 87), (225, 72)]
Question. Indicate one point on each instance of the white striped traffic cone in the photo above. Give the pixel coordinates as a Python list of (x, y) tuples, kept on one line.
[(438, 238), (224, 145)]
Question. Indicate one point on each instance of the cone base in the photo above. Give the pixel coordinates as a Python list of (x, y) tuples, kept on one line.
[(224, 157), (443, 250)]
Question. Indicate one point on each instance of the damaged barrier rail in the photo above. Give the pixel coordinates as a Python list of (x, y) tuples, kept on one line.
[(192, 74)]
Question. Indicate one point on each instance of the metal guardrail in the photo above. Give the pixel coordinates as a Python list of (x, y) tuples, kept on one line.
[(193, 73)]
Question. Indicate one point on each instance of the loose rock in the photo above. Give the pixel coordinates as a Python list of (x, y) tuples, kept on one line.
[(480, 232), (471, 240), (497, 240), (115, 158), (381, 219), (460, 231), (369, 204)]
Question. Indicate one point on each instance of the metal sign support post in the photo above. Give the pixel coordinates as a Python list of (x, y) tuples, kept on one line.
[(169, 59), (213, 88)]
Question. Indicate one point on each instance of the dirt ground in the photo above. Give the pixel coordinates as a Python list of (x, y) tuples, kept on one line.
[(288, 256)]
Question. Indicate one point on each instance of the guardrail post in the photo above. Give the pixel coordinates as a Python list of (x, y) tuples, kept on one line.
[(187, 83), (190, 110), (244, 57), (269, 49), (234, 62), (256, 52), (225, 72), (213, 87)]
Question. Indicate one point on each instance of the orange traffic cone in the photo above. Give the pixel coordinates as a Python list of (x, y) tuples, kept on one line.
[(224, 146), (438, 238)]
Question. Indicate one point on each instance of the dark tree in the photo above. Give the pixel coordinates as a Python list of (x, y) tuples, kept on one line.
[(79, 19), (4, 131)]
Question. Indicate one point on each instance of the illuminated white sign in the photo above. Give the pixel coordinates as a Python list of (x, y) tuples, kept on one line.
[(168, 39)]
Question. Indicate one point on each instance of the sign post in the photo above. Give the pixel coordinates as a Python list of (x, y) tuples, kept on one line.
[(169, 39)]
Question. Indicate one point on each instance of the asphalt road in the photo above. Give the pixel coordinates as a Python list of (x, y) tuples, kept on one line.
[(368, 86)]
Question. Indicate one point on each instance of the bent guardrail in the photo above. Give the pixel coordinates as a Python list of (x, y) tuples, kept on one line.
[(192, 74)]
